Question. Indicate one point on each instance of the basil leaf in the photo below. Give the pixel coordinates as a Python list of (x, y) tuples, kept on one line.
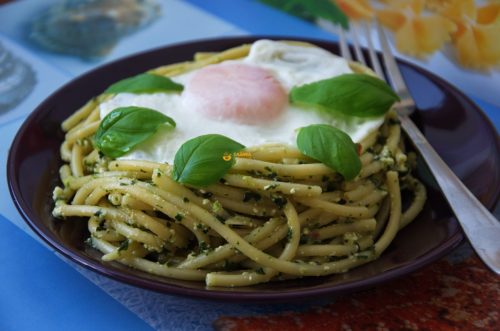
[(204, 160), (125, 127), (144, 83), (331, 146), (311, 10), (350, 94), (327, 10)]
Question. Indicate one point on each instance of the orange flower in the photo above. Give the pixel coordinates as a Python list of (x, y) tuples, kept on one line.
[(416, 34), (416, 5), (436, 5), (356, 9), (489, 14), (477, 35), (458, 9), (422, 27)]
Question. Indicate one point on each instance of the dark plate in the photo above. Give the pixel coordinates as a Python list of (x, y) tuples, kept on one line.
[(458, 130)]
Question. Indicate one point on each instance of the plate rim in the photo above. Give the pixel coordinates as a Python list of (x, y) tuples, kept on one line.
[(213, 294)]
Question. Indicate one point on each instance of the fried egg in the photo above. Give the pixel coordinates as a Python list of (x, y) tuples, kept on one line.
[(245, 100)]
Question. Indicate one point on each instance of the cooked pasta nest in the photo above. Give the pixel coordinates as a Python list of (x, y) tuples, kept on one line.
[(276, 216)]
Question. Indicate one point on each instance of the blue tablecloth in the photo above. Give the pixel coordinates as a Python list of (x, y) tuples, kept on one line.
[(39, 290)]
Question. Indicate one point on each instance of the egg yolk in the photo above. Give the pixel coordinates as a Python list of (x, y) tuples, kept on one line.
[(235, 92)]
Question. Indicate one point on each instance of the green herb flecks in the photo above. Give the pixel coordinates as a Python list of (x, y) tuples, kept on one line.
[(123, 245), (250, 195)]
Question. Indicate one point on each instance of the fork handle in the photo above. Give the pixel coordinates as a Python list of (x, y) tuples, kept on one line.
[(479, 225)]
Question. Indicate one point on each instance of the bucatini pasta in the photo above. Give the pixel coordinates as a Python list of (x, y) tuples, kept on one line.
[(275, 214)]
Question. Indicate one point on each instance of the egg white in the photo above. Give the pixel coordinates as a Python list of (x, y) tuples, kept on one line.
[(291, 65)]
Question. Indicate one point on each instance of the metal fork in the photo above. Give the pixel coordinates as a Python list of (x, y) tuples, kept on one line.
[(479, 225)]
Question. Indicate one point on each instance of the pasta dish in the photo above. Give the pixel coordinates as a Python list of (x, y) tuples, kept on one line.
[(264, 162)]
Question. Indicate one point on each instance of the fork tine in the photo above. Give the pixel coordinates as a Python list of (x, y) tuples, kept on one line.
[(357, 49), (391, 66), (344, 48), (371, 50), (339, 31)]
